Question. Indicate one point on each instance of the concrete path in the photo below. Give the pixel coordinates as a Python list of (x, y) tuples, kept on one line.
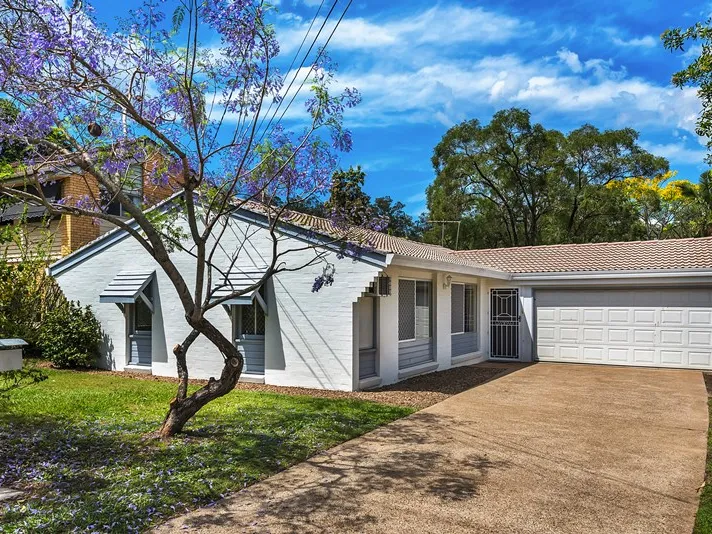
[(548, 448)]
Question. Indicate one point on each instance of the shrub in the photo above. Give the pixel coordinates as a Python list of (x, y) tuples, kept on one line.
[(70, 336), (27, 293)]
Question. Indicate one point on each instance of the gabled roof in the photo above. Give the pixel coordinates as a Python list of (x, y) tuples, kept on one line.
[(662, 255), (381, 242), (665, 254)]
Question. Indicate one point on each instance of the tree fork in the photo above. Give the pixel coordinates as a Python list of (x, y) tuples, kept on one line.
[(183, 407)]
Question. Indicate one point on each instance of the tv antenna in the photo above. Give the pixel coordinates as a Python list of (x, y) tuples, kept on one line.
[(442, 231)]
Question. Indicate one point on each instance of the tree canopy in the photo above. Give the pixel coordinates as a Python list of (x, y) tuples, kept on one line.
[(195, 88), (698, 73), (515, 183)]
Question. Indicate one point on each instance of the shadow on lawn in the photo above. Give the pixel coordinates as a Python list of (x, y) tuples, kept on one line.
[(67, 467), (342, 489)]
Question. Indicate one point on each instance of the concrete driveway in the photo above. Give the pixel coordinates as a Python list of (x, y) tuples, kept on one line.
[(548, 448)]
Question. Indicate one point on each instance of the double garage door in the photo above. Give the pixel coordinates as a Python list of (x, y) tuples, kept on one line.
[(661, 327)]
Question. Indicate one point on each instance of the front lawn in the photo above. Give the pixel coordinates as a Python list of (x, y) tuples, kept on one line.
[(75, 444)]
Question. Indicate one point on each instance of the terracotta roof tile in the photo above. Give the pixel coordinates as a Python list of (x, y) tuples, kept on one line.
[(666, 254), (379, 241)]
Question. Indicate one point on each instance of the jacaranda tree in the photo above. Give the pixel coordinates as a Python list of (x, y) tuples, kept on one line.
[(192, 87)]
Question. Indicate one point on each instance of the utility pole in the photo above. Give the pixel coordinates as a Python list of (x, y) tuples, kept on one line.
[(442, 231)]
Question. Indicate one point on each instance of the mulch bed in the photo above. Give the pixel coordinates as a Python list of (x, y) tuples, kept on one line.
[(708, 383), (418, 392)]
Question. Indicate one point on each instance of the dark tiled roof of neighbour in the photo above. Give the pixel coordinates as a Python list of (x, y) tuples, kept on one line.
[(665, 254), (15, 211)]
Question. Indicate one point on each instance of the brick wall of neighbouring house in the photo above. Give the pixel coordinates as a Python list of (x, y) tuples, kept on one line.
[(154, 193), (78, 230)]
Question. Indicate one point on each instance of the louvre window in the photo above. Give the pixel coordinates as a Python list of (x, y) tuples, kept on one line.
[(414, 309), (252, 321)]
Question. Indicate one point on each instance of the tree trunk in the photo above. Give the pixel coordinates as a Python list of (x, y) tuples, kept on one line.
[(183, 407)]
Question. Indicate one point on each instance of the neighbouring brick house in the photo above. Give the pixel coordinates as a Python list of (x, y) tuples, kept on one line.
[(65, 234)]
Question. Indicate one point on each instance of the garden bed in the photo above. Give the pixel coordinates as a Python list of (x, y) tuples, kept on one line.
[(418, 392)]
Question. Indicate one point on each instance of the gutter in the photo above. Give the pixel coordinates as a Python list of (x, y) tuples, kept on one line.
[(598, 278), (435, 265), (603, 275)]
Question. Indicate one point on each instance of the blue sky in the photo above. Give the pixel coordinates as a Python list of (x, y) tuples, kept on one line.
[(422, 67)]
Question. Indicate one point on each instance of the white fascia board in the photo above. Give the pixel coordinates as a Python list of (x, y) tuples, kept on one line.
[(598, 278), (417, 263)]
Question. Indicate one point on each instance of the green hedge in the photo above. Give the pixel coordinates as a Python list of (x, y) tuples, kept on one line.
[(70, 336)]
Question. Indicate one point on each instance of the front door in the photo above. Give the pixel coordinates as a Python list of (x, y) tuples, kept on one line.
[(250, 323), (504, 323), (367, 337)]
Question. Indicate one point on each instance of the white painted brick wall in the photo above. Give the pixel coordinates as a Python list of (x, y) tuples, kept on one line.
[(309, 337), (388, 319)]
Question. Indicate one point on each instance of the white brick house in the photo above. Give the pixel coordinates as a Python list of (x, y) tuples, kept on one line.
[(402, 308)]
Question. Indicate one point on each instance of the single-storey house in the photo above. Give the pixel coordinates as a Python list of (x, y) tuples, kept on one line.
[(401, 308)]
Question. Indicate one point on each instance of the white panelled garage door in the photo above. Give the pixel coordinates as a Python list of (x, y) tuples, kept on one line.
[(645, 327)]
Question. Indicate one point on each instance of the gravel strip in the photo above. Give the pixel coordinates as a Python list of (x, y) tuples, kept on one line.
[(417, 392)]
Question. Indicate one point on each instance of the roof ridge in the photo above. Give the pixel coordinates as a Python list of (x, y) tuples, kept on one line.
[(580, 245), (353, 226)]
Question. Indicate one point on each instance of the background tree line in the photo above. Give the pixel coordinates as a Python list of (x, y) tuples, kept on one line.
[(514, 183), (348, 201)]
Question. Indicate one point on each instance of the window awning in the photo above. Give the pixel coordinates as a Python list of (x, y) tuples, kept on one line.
[(239, 279), (127, 287)]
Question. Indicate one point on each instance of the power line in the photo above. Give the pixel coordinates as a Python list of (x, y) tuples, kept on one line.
[(296, 55), (296, 72)]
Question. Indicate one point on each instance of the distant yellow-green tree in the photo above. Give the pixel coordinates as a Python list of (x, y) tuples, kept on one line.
[(667, 208)]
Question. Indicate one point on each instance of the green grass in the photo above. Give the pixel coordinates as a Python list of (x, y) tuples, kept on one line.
[(76, 444), (703, 522)]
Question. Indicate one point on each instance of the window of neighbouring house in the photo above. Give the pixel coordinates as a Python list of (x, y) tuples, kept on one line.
[(132, 186), (463, 303), (414, 309)]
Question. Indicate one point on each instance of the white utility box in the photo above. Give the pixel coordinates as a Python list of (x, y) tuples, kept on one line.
[(11, 354)]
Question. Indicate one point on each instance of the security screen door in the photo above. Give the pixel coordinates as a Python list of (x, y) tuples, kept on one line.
[(504, 323)]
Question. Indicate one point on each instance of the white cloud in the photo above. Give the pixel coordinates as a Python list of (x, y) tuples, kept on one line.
[(647, 41), (677, 152), (693, 52), (437, 26), (418, 197), (570, 59), (449, 91)]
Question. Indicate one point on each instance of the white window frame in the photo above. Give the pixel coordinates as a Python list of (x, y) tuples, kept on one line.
[(415, 305), (464, 307)]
